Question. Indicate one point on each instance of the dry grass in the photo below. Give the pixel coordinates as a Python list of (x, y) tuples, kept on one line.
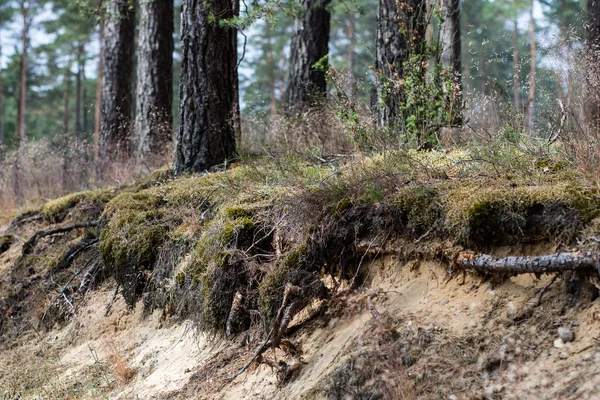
[(119, 363)]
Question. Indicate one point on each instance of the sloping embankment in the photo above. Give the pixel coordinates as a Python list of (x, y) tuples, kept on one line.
[(380, 278)]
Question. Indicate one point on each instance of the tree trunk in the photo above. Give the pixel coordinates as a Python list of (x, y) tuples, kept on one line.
[(271, 69), (351, 55), (533, 63), (21, 110), (84, 109), (592, 50), (154, 90), (98, 97), (66, 100), (516, 75), (450, 37), (396, 18), (310, 43), (207, 107), (524, 265), (117, 99), (1, 106), (78, 104)]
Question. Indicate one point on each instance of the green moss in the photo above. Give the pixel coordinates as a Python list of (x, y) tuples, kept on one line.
[(475, 209), (420, 207), (5, 242), (56, 210)]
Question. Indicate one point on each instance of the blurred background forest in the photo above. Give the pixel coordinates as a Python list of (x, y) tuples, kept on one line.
[(500, 38)]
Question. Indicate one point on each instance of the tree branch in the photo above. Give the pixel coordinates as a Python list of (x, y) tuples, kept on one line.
[(523, 265)]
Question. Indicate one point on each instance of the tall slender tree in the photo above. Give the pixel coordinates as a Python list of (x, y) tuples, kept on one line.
[(154, 90), (533, 69), (118, 63), (208, 85), (309, 44), (2, 111)]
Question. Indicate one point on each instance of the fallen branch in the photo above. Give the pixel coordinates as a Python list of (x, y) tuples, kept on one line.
[(28, 245), (558, 262)]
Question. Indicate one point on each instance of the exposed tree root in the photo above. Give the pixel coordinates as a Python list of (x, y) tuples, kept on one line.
[(284, 315), (112, 300), (28, 245), (235, 314), (70, 255), (558, 262)]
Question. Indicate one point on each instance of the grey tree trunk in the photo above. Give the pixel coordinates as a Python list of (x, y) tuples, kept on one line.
[(21, 109), (395, 18), (450, 37), (305, 85), (78, 89), (154, 89), (66, 100), (118, 64), (207, 109)]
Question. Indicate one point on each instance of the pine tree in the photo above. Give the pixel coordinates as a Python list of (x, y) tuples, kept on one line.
[(207, 108), (153, 123), (401, 27), (309, 44), (117, 75)]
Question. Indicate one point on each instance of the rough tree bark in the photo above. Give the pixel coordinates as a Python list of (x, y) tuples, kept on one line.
[(207, 108), (533, 66), (450, 38), (395, 18), (118, 64), (154, 90), (309, 44), (592, 50)]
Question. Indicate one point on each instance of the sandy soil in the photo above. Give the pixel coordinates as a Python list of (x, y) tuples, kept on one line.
[(465, 338)]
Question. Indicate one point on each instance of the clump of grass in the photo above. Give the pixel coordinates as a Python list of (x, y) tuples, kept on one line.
[(120, 366)]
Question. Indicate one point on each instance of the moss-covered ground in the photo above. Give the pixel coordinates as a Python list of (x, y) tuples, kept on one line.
[(191, 243)]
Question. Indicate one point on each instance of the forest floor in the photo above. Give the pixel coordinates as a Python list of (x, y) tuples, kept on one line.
[(411, 327)]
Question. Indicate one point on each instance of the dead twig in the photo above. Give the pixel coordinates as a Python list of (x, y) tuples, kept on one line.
[(545, 288)]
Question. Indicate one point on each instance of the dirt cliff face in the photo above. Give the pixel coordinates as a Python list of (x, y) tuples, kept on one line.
[(383, 280)]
